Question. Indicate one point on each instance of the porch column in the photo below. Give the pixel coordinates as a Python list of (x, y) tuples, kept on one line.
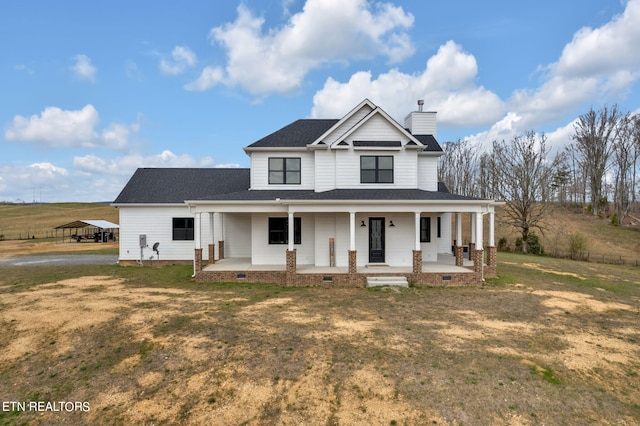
[(457, 249), (492, 251), (472, 240), (290, 229), (197, 261), (212, 252), (221, 240), (417, 252), (352, 243), (478, 253)]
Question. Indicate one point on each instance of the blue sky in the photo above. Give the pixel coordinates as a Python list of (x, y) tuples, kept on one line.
[(92, 90)]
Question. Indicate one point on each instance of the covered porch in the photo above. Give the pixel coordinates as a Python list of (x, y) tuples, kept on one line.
[(329, 241)]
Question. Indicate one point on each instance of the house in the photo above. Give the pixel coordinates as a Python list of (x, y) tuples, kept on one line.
[(324, 201)]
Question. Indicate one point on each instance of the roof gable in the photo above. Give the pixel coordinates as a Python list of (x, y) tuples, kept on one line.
[(363, 108), (380, 113)]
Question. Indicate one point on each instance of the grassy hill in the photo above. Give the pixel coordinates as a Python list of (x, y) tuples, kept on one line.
[(22, 221), (606, 243)]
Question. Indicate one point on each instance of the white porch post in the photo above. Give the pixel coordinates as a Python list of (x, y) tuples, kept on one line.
[(352, 231), (492, 237), (197, 261), (417, 221), (290, 236), (473, 227), (458, 229), (478, 231), (212, 239)]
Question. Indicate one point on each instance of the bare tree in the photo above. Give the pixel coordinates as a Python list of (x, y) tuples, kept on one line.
[(458, 168), (526, 181), (623, 160), (594, 134)]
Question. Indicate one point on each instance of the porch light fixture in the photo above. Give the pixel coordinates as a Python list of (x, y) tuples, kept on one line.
[(362, 225), (391, 223)]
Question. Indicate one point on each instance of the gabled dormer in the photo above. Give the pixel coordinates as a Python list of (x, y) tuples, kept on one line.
[(366, 148)]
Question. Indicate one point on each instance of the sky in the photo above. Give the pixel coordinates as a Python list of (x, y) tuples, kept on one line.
[(90, 91)]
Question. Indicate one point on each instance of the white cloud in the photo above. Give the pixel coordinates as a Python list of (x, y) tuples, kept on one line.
[(447, 86), (278, 59), (598, 63), (82, 69), (126, 165), (209, 77), (56, 127), (31, 182), (24, 68), (181, 58)]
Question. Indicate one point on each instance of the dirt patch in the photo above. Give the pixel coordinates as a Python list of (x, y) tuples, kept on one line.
[(264, 355)]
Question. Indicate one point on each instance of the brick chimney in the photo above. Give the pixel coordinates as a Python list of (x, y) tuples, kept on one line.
[(421, 122)]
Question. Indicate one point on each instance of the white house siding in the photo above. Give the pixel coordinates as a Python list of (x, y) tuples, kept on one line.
[(237, 234), (445, 241), (430, 250), (325, 169), (337, 134), (264, 253), (427, 173), (421, 123), (324, 230), (260, 170), (156, 222), (377, 128), (348, 169)]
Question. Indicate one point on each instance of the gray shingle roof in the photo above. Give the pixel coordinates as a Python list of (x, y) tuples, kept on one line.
[(429, 142), (298, 134), (171, 185)]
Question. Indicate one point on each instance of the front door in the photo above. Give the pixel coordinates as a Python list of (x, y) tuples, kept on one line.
[(376, 240)]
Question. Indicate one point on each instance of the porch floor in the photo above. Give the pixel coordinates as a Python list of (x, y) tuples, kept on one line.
[(446, 264)]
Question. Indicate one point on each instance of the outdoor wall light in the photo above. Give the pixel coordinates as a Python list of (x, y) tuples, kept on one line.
[(362, 225), (391, 223)]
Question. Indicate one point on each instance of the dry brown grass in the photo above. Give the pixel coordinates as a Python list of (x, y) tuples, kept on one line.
[(26, 220), (550, 342)]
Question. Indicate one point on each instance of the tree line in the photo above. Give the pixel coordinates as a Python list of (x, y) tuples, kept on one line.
[(598, 170)]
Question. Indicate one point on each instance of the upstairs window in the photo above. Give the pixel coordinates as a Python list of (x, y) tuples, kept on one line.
[(183, 228), (284, 171), (279, 230), (376, 169), (425, 229)]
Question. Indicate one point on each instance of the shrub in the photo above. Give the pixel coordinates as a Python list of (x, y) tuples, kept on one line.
[(614, 219), (578, 246), (533, 244), (503, 245)]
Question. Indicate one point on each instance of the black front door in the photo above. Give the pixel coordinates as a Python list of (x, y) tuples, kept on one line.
[(376, 239)]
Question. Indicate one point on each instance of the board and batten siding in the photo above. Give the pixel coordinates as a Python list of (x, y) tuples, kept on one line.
[(237, 234), (325, 170), (427, 173), (157, 224), (260, 170)]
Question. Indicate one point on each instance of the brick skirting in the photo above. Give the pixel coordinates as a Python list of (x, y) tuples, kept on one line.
[(336, 280)]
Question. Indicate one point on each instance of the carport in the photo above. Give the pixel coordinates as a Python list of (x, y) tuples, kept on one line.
[(96, 230)]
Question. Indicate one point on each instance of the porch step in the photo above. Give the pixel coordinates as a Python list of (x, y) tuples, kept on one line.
[(387, 281)]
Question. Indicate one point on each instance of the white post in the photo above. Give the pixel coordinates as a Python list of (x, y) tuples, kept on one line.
[(478, 231), (290, 236), (492, 237), (459, 229), (196, 230), (212, 238), (417, 220), (352, 231), (473, 227)]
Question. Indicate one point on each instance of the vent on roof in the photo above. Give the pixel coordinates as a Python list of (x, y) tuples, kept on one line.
[(343, 143)]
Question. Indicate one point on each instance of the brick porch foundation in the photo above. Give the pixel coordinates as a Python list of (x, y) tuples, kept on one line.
[(212, 254), (458, 251), (198, 260), (417, 261), (221, 249), (491, 270)]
